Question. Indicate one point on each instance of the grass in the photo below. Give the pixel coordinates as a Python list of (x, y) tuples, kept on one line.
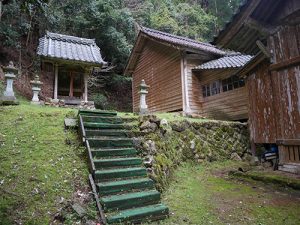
[(204, 194), (39, 171), (42, 167), (170, 117)]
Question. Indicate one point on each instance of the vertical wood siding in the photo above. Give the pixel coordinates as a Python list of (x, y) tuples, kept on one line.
[(194, 86), (275, 95), (159, 66), (230, 105)]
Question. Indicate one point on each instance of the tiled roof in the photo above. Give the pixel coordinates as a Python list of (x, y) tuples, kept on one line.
[(182, 41), (229, 61), (72, 48)]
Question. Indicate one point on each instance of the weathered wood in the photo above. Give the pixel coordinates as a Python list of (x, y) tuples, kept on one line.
[(288, 141), (229, 105), (286, 63), (159, 66)]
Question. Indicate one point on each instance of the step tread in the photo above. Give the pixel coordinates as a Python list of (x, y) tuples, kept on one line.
[(139, 212), (124, 182), (98, 112), (128, 196), (112, 149), (117, 159), (130, 169), (109, 138)]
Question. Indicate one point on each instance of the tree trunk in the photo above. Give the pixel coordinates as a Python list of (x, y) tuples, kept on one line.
[(0, 9)]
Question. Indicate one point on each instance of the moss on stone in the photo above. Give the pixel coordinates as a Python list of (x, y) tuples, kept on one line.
[(192, 141)]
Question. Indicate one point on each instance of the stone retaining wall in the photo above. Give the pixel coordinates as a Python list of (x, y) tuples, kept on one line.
[(164, 145)]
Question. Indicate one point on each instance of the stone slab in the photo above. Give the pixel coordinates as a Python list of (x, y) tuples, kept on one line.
[(71, 123)]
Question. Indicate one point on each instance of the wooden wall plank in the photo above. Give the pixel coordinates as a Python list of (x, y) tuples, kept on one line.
[(230, 105), (159, 66)]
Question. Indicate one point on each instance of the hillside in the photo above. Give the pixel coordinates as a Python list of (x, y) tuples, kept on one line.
[(43, 171)]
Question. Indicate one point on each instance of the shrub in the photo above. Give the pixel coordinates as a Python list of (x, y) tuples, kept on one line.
[(100, 101)]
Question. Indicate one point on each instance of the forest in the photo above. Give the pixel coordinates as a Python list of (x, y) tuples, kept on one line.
[(112, 24)]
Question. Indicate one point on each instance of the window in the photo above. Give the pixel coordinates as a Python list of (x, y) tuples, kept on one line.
[(232, 82), (211, 89), (206, 90), (227, 84)]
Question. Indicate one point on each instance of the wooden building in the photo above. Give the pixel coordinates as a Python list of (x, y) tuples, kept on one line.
[(67, 62), (271, 31), (165, 62), (188, 76), (221, 93)]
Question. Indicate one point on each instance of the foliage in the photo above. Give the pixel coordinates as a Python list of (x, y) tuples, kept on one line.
[(100, 101)]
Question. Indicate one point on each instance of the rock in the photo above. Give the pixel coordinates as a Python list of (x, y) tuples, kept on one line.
[(79, 210), (200, 160), (55, 101), (197, 156), (202, 156), (234, 156), (70, 123), (148, 127), (193, 144), (148, 161), (254, 161), (247, 157), (163, 123), (267, 164), (150, 147), (179, 127), (137, 142)]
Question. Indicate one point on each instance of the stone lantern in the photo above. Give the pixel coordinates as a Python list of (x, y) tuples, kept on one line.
[(36, 88), (143, 92), (10, 73)]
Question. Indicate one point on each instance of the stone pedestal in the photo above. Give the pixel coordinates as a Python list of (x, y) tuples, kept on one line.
[(8, 97), (143, 92), (36, 83)]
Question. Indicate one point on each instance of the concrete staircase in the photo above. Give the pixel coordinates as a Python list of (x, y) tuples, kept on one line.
[(124, 191)]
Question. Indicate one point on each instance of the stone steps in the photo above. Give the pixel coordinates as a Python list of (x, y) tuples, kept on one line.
[(107, 132), (137, 215), (113, 152), (117, 187), (110, 142), (120, 173), (130, 200), (125, 192), (117, 162), (102, 119)]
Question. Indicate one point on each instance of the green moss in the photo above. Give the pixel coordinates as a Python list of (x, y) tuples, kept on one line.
[(197, 195), (37, 166)]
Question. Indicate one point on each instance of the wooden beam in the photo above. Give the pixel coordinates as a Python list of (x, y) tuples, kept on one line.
[(261, 27), (264, 50), (71, 92), (288, 141), (55, 81), (237, 24), (285, 63)]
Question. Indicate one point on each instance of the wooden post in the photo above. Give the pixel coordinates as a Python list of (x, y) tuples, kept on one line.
[(55, 81), (71, 84), (85, 86)]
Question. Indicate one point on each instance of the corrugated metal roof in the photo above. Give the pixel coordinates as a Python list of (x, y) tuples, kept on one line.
[(72, 48), (182, 41), (229, 61)]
